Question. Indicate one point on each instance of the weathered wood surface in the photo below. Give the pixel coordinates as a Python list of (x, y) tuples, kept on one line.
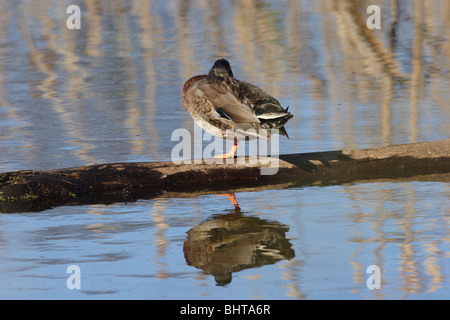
[(29, 190)]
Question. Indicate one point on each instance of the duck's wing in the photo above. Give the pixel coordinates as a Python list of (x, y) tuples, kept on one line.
[(223, 94)]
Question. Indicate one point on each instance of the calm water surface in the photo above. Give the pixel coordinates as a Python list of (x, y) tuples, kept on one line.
[(110, 92)]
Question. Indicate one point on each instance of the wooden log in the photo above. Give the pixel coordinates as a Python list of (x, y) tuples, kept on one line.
[(30, 190)]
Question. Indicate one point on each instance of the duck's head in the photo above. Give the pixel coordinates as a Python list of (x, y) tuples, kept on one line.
[(221, 68)]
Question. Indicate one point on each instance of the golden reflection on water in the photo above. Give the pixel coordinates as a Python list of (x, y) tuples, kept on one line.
[(323, 46), (160, 240), (325, 43), (407, 230), (386, 228)]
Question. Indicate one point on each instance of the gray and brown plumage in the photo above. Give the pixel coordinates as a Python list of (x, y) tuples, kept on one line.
[(232, 109)]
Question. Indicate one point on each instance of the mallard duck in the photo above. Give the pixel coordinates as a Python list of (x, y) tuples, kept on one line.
[(228, 108)]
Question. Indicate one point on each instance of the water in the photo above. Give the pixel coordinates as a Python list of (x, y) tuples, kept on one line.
[(299, 243), (110, 92)]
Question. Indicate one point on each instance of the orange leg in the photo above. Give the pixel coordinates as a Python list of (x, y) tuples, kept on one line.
[(230, 154), (232, 198)]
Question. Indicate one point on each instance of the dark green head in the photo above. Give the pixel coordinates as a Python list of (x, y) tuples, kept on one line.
[(221, 68)]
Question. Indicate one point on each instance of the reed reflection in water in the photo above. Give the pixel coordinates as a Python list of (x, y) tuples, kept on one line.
[(299, 243), (111, 90)]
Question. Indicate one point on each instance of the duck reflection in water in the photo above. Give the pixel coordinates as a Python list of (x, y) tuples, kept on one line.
[(233, 242)]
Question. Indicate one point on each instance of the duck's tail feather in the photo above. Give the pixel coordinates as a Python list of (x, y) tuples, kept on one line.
[(283, 132), (275, 123)]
